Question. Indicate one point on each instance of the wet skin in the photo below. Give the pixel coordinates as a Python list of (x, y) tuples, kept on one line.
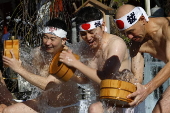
[(149, 37), (110, 55)]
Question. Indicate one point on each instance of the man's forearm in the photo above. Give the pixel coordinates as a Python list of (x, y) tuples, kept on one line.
[(36, 80), (160, 78), (89, 72)]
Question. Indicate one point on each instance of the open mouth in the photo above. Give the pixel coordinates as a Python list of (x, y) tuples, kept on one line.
[(48, 48), (91, 42), (136, 39)]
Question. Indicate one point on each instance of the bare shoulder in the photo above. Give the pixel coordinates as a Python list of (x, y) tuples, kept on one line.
[(161, 25), (116, 40), (166, 26), (167, 18), (162, 20), (35, 53), (117, 47), (167, 21)]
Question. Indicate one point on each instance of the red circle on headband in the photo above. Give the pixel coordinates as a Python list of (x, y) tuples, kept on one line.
[(85, 26), (120, 24)]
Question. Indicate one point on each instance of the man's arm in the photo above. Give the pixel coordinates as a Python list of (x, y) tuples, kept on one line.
[(137, 67), (36, 80), (144, 90), (115, 56), (70, 60), (80, 79)]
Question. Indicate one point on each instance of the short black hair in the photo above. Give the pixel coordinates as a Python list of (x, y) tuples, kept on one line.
[(58, 23), (87, 14)]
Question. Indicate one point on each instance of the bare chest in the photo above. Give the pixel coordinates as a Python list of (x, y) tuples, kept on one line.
[(44, 70), (98, 60), (157, 50)]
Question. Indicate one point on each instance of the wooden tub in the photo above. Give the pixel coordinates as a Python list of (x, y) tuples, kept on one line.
[(11, 45), (61, 70), (114, 92)]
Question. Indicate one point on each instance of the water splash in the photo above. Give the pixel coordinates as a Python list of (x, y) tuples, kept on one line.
[(126, 75)]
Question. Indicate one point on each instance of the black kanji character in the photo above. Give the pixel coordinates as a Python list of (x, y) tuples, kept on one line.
[(97, 24), (131, 18)]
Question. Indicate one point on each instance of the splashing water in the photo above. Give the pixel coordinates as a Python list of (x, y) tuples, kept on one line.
[(86, 53), (126, 75), (91, 89), (26, 56), (113, 108)]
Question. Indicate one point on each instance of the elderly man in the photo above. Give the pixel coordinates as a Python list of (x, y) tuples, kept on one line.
[(148, 35)]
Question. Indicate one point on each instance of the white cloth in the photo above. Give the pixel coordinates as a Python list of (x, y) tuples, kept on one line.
[(90, 25), (131, 18), (55, 31), (50, 109)]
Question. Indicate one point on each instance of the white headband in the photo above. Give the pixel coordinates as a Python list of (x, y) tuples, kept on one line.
[(131, 18), (90, 25), (55, 31)]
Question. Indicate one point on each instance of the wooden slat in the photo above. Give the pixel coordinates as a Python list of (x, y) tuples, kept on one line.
[(107, 10)]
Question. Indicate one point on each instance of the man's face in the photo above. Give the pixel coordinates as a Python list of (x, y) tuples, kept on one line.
[(92, 37), (135, 32), (52, 43)]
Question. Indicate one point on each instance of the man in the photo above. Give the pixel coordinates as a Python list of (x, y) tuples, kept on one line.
[(148, 35), (55, 94), (108, 53)]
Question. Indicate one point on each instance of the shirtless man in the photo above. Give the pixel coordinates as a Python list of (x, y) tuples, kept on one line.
[(148, 35), (109, 53), (57, 93)]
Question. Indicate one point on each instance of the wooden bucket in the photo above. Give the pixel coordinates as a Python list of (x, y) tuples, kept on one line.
[(11, 45), (115, 92), (61, 70)]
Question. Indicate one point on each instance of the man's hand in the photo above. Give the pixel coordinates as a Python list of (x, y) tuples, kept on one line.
[(139, 95), (67, 57), (13, 63)]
